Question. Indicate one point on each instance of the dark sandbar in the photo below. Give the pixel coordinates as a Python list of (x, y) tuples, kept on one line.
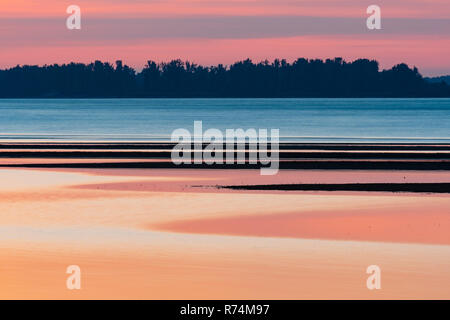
[(381, 187)]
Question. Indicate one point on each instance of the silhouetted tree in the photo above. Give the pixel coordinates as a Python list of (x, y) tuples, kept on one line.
[(301, 78)]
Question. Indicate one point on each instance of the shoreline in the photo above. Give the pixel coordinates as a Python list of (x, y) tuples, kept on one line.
[(153, 233), (367, 187), (292, 156), (154, 230)]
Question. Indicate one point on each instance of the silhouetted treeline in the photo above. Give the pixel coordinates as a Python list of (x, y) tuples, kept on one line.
[(445, 79), (302, 78)]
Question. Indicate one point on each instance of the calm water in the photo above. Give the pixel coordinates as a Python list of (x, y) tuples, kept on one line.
[(426, 120)]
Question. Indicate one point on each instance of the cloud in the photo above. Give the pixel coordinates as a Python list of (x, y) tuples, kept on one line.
[(19, 32), (155, 8)]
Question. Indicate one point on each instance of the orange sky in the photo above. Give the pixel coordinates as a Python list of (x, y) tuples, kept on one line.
[(217, 31)]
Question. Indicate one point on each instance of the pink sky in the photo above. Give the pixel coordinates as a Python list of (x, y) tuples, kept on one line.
[(416, 32)]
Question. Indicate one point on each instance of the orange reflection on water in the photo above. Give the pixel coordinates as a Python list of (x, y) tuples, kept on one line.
[(139, 234)]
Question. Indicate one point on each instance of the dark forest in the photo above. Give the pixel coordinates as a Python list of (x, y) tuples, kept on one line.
[(244, 79)]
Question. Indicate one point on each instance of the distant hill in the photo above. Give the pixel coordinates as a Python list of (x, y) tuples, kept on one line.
[(445, 79), (303, 78)]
